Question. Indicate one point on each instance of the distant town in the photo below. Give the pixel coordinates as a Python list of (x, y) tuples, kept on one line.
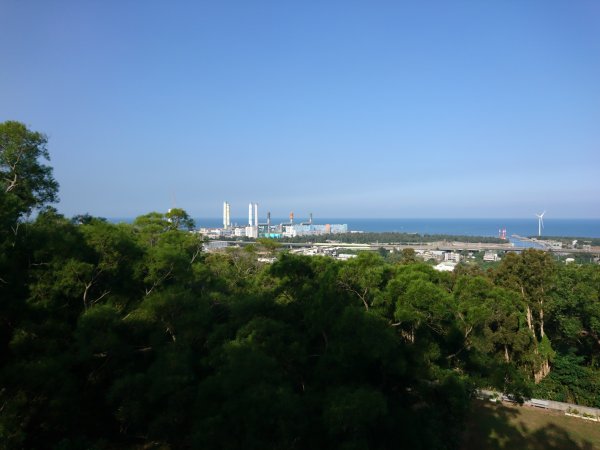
[(337, 241)]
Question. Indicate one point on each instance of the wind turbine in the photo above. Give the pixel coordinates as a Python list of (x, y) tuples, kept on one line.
[(540, 222)]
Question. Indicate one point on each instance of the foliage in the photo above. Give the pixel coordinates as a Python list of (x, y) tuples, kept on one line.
[(130, 336), (25, 183)]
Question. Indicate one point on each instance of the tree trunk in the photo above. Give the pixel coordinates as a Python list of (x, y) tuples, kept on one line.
[(541, 318), (530, 320), (543, 371), (85, 294)]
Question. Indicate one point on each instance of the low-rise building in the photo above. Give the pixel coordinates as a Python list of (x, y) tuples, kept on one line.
[(445, 266), (556, 245), (266, 260), (289, 231), (252, 232), (452, 256), (490, 256), (211, 233), (212, 246), (436, 255), (309, 229)]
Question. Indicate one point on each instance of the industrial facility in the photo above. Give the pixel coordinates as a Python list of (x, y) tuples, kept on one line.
[(255, 229)]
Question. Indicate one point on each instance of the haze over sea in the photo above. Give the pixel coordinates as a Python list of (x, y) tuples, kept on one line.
[(458, 227)]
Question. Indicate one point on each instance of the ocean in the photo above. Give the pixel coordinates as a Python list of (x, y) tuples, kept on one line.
[(458, 227)]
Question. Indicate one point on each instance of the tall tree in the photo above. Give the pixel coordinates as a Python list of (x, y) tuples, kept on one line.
[(532, 275), (25, 182)]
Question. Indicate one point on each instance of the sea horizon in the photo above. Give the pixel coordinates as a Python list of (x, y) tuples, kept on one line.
[(488, 227)]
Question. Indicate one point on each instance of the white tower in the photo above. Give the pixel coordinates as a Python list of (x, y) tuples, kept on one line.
[(250, 214), (226, 215), (256, 214)]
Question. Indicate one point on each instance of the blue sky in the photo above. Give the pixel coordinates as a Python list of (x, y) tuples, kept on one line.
[(342, 108)]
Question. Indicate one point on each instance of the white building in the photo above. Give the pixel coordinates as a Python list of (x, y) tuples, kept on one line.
[(452, 256), (490, 256), (215, 245), (252, 232), (289, 231), (211, 233), (445, 266), (556, 245), (267, 260), (428, 254)]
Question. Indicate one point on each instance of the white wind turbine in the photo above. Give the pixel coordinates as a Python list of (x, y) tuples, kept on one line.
[(540, 222)]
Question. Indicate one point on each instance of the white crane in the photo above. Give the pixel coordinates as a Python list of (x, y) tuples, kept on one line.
[(540, 222)]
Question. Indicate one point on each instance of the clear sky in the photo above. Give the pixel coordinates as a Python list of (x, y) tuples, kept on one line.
[(342, 108)]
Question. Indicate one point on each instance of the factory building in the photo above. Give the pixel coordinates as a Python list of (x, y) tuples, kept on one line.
[(304, 229), (252, 232), (255, 229)]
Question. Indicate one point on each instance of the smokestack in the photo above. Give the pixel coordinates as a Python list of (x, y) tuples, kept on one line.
[(292, 217), (256, 214), (269, 221), (226, 217), (250, 214), (310, 220)]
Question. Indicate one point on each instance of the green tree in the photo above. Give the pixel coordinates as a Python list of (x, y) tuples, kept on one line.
[(179, 219), (271, 246), (472, 308), (25, 182), (170, 252), (575, 310), (408, 256), (363, 277), (532, 275)]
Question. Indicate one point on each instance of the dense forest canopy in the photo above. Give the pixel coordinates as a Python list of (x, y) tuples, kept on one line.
[(130, 336)]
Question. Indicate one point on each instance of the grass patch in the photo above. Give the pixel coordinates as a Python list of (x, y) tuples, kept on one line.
[(500, 426)]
